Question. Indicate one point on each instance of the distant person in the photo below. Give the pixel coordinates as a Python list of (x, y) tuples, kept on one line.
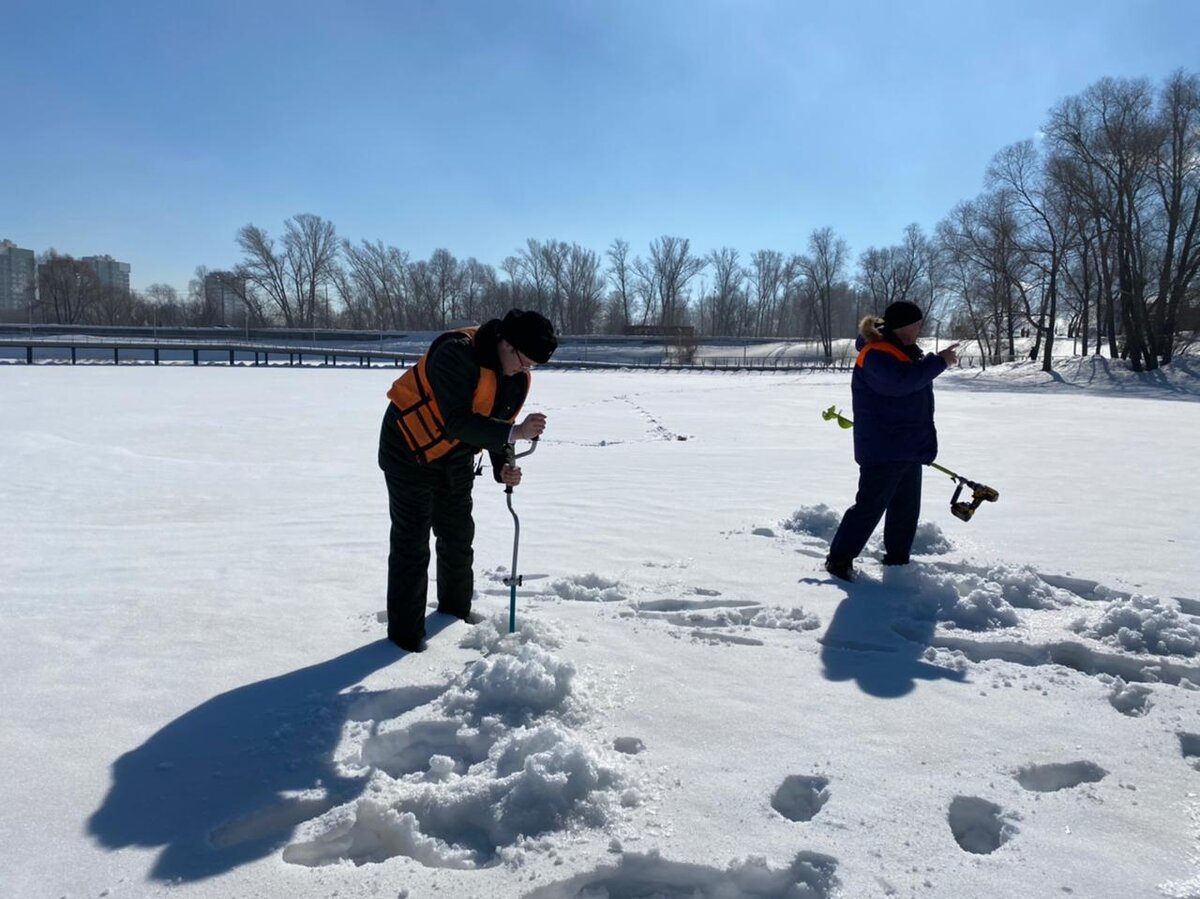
[(462, 397), (894, 435)]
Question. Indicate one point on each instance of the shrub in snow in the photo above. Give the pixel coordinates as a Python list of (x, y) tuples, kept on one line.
[(816, 521), (1143, 624)]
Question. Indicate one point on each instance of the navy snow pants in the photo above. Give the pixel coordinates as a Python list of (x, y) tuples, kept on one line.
[(892, 489)]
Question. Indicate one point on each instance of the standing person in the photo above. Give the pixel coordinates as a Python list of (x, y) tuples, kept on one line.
[(462, 397), (894, 435)]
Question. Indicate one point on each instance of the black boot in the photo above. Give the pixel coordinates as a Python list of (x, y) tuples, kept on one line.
[(843, 571), (408, 644), (468, 616)]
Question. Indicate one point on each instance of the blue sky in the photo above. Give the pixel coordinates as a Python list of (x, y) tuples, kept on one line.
[(153, 131)]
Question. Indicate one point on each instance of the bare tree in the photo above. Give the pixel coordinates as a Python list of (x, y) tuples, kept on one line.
[(769, 278), (532, 279), (425, 308), (620, 278), (665, 277), (377, 280), (1043, 214), (1111, 130), (292, 278), (113, 305), (979, 239), (582, 285), (728, 298), (446, 282), (67, 288), (902, 272), (478, 291), (1176, 178), (823, 269)]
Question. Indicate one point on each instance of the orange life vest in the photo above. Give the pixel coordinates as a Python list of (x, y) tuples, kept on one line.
[(419, 417), (886, 346)]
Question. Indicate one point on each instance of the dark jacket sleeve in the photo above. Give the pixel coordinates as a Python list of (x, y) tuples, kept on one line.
[(498, 460), (453, 374), (887, 375)]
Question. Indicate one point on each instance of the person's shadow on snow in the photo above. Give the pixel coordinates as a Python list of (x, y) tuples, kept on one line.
[(868, 643), (222, 784)]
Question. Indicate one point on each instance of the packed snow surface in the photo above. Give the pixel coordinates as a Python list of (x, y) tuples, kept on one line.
[(198, 700)]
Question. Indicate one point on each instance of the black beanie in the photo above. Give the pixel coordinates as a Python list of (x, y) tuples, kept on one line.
[(900, 314), (529, 332)]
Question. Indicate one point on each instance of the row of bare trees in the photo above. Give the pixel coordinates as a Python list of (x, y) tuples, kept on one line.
[(1097, 226), (1092, 232)]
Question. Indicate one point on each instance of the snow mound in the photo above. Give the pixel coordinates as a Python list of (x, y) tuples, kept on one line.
[(491, 635), (816, 521), (518, 686), (931, 540), (587, 588), (968, 601), (492, 762), (1144, 624), (1024, 588), (793, 619)]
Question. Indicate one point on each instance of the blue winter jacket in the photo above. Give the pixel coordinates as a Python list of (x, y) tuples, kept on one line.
[(892, 389)]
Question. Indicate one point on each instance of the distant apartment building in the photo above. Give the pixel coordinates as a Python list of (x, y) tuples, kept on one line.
[(18, 278), (222, 303), (108, 271)]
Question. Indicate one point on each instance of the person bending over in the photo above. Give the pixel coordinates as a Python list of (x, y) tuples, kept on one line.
[(462, 397)]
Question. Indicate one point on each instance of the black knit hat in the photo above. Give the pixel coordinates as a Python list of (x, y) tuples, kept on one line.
[(901, 313), (529, 332)]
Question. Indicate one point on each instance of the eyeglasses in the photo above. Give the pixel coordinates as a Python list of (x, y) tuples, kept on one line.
[(525, 362)]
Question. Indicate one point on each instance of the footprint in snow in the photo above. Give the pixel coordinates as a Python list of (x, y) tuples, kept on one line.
[(1189, 745), (712, 618), (1062, 776), (800, 797), (979, 826), (810, 874), (1130, 699), (629, 745)]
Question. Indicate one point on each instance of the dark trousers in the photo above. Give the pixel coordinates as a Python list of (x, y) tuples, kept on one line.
[(894, 489), (421, 497)]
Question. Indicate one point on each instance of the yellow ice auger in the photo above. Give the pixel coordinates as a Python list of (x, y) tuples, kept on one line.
[(980, 493)]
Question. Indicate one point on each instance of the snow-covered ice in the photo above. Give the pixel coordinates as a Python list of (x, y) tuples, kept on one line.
[(198, 702)]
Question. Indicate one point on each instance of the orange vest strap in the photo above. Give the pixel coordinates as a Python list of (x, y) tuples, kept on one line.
[(883, 345)]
